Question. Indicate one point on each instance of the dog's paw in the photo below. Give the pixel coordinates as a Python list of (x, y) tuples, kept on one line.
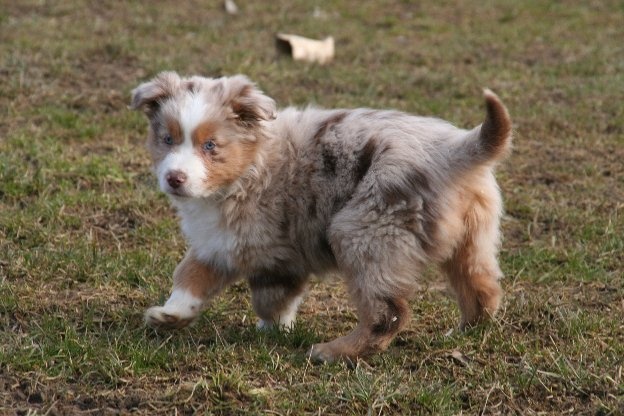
[(263, 325), (158, 317), (323, 353)]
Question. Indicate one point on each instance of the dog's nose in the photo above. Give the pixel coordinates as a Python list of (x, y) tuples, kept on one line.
[(176, 178)]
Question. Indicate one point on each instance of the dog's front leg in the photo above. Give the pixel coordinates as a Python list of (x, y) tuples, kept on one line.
[(193, 284)]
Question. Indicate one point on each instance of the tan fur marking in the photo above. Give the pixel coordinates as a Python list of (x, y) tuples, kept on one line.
[(496, 129), (203, 133), (378, 323), (174, 129), (195, 277), (229, 159), (473, 269), (229, 162), (476, 287)]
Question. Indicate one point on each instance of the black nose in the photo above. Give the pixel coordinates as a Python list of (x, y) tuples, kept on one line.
[(176, 178)]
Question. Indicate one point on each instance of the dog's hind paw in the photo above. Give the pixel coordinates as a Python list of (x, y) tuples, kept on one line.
[(159, 318), (326, 353)]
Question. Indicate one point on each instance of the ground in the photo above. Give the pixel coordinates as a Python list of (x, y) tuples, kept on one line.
[(87, 242)]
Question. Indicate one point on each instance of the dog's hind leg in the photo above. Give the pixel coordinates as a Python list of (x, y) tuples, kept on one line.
[(380, 319), (380, 260), (473, 268), (276, 297), (193, 283)]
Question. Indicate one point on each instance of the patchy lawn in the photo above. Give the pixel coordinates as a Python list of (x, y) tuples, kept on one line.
[(87, 242)]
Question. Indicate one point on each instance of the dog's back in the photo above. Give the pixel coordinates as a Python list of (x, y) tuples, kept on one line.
[(380, 160)]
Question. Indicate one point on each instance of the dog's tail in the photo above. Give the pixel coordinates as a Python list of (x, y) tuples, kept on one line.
[(491, 141)]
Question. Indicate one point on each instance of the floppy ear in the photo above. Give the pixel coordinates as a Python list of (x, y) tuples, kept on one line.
[(149, 95), (249, 105)]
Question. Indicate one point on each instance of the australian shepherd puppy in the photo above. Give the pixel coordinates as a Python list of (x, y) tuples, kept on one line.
[(275, 196)]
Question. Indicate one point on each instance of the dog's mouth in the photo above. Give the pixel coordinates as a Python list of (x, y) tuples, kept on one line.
[(179, 192)]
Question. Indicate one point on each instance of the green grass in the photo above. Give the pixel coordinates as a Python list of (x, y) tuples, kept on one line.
[(87, 242)]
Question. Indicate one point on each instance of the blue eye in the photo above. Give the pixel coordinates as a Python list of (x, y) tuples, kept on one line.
[(168, 140), (209, 145)]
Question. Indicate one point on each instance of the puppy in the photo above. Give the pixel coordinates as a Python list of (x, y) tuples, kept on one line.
[(273, 197)]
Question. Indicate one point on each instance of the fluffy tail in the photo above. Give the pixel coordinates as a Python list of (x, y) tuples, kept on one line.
[(491, 141)]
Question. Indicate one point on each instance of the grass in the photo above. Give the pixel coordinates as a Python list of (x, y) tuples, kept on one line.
[(87, 242)]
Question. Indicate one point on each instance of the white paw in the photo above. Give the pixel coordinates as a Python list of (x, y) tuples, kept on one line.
[(321, 354), (263, 325), (160, 317), (286, 319), (283, 324), (179, 311)]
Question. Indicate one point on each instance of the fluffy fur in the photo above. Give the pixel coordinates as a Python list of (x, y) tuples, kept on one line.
[(273, 197)]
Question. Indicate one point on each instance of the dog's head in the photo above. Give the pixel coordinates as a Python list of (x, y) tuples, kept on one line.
[(204, 133)]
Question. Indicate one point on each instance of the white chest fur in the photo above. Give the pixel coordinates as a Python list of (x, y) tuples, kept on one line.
[(203, 228)]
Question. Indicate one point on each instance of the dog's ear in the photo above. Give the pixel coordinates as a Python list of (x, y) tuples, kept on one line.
[(149, 95), (249, 105)]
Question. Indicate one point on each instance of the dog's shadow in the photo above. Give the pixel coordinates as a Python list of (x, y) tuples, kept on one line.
[(210, 332)]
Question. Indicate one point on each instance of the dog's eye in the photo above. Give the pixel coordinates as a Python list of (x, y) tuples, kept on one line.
[(168, 140), (209, 145)]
